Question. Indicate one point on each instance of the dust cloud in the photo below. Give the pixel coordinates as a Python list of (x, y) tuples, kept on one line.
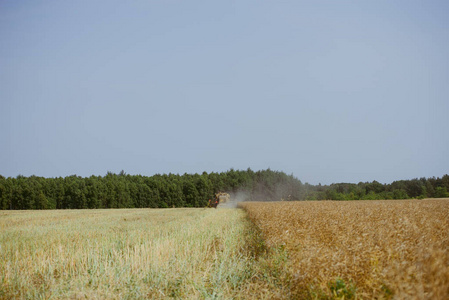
[(260, 192)]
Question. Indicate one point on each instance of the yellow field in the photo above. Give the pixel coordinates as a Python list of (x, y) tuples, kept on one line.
[(134, 253), (360, 249), (311, 250)]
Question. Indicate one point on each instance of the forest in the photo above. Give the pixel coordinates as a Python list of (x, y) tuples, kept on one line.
[(194, 190)]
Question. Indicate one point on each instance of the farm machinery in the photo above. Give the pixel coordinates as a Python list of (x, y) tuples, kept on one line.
[(220, 198)]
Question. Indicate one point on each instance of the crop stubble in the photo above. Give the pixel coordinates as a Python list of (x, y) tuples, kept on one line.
[(130, 254), (374, 249)]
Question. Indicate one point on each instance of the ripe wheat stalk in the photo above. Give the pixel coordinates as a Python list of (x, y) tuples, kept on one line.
[(362, 249)]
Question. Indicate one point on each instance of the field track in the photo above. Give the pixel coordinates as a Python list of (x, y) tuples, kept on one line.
[(363, 249)]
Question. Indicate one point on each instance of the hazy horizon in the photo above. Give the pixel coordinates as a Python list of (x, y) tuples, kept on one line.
[(180, 174)]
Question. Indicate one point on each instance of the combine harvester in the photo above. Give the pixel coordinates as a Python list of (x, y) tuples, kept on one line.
[(222, 200)]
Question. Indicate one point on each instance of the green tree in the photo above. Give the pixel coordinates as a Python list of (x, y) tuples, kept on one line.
[(441, 192), (42, 202)]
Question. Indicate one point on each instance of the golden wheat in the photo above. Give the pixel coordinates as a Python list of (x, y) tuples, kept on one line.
[(360, 249)]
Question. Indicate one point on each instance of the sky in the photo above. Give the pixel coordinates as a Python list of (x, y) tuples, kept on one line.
[(329, 91)]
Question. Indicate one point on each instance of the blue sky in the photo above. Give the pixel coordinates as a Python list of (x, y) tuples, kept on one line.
[(329, 91)]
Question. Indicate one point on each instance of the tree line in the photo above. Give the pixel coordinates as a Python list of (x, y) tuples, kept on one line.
[(402, 189), (194, 190), (136, 191)]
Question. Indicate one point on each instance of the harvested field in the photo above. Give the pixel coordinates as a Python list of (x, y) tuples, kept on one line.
[(132, 254), (360, 249)]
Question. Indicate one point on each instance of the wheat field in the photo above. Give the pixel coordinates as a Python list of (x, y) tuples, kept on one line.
[(360, 249), (132, 254), (277, 250)]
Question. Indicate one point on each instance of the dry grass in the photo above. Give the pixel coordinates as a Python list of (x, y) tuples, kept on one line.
[(134, 254), (360, 249)]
